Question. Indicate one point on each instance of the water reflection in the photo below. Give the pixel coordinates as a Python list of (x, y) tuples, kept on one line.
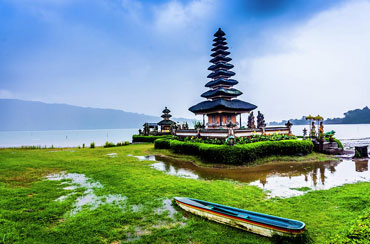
[(361, 165), (282, 179)]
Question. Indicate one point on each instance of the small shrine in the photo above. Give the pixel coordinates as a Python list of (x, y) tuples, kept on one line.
[(221, 106), (166, 124)]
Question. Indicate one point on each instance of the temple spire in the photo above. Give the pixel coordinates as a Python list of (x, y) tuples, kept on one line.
[(221, 83), (221, 105)]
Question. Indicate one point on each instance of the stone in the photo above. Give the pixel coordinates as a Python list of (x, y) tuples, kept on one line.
[(361, 152)]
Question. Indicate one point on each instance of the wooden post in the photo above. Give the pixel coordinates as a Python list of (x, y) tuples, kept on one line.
[(220, 119), (240, 120), (203, 121)]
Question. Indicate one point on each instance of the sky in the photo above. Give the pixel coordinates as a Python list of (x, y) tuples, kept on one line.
[(291, 57)]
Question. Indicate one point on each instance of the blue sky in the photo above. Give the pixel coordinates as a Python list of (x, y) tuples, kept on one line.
[(291, 57)]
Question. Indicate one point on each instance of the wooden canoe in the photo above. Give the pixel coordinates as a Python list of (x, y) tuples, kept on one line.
[(262, 224)]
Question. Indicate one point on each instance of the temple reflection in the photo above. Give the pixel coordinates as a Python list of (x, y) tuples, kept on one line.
[(315, 175)]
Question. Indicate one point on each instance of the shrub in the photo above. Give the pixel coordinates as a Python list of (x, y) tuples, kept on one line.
[(241, 140), (237, 154), (185, 147), (138, 138), (92, 145), (119, 144), (109, 144), (162, 143)]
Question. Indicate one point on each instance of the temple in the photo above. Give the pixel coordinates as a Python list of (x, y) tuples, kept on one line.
[(166, 123), (221, 106)]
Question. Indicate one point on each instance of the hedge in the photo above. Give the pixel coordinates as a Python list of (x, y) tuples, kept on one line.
[(237, 154), (139, 138), (162, 143)]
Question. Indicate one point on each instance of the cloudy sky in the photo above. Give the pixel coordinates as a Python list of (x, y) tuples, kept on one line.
[(291, 58)]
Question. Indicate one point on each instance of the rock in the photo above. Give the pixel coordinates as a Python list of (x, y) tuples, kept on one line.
[(361, 152)]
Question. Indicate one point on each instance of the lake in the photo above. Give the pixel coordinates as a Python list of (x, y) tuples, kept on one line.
[(64, 138), (351, 135)]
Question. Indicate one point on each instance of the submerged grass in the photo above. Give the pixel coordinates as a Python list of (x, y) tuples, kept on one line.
[(30, 214)]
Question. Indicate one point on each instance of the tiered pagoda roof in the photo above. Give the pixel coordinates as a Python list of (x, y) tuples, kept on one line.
[(166, 117), (221, 96)]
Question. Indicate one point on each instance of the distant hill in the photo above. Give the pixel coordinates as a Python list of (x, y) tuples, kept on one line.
[(357, 116), (17, 115)]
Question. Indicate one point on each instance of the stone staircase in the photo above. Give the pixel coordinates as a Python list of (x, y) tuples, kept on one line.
[(327, 147)]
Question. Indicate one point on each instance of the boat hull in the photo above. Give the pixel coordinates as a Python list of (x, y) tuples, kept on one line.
[(257, 228)]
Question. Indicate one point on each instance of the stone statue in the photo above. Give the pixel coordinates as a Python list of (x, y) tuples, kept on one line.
[(304, 133), (260, 120), (146, 129), (321, 131), (251, 124), (313, 129), (140, 132)]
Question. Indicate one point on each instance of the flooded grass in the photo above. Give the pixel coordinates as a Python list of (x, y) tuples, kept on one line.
[(126, 199), (89, 198)]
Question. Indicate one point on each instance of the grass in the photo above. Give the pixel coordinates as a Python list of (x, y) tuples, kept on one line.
[(30, 214), (305, 188)]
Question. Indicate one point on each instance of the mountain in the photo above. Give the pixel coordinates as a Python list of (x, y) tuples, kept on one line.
[(16, 115), (357, 116)]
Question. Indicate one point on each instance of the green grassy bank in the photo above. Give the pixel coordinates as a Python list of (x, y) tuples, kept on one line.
[(30, 214)]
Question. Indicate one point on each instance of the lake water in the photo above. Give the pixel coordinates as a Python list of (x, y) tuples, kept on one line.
[(64, 138), (282, 179), (350, 134)]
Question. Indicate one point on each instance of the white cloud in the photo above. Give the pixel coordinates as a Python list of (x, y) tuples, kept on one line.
[(326, 70), (175, 15)]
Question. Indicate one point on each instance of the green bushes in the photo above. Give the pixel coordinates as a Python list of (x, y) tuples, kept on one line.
[(185, 147), (162, 143), (139, 138), (240, 140), (237, 154)]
